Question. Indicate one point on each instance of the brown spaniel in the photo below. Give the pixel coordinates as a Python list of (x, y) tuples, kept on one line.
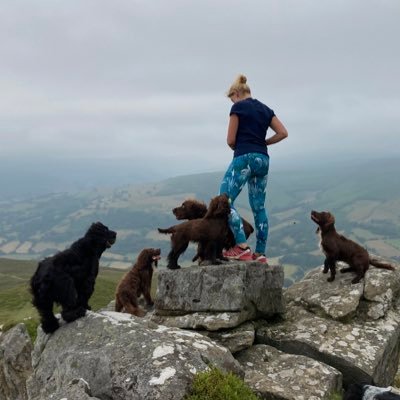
[(193, 209), (137, 282), (338, 248), (209, 232)]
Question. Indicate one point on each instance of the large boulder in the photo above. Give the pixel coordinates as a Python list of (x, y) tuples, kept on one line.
[(219, 296), (118, 356), (339, 324), (276, 375), (15, 363), (371, 298), (338, 299)]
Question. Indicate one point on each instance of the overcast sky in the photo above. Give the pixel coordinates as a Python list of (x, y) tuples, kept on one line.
[(145, 80)]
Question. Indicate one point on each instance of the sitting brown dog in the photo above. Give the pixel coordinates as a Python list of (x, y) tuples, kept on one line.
[(337, 248), (194, 209), (137, 282), (209, 232)]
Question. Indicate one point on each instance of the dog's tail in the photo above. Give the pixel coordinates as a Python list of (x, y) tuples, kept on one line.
[(379, 264), (168, 230)]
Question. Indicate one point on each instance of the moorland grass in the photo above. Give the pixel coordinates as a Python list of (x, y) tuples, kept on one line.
[(15, 298), (216, 385)]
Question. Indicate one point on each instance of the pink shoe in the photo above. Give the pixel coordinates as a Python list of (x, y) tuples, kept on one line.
[(237, 253), (246, 256), (260, 258)]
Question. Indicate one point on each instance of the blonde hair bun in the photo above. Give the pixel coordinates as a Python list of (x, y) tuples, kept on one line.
[(241, 79), (239, 85)]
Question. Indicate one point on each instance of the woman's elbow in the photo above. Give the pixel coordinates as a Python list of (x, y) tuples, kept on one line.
[(284, 134)]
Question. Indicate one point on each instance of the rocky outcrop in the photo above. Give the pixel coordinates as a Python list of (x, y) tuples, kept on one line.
[(15, 363), (277, 375), (111, 355), (218, 297), (338, 323), (294, 344)]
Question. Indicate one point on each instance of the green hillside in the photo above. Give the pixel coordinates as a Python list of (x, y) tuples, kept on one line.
[(365, 199), (15, 298)]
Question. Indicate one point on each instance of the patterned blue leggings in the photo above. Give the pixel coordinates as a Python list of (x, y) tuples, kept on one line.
[(253, 169)]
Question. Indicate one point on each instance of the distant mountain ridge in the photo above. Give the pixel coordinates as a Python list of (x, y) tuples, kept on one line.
[(365, 199)]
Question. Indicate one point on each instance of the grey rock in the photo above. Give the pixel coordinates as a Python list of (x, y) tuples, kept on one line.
[(235, 339), (206, 320), (237, 292), (77, 389), (381, 288), (122, 357), (276, 375), (363, 351), (337, 299), (371, 298), (15, 363)]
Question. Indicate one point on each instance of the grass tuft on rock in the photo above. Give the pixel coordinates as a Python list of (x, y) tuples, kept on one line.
[(216, 385), (336, 396)]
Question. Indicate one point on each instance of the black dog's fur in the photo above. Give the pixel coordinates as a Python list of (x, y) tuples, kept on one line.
[(209, 232), (359, 391), (68, 277), (338, 248)]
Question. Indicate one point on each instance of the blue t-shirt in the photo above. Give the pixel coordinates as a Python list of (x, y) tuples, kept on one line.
[(254, 120)]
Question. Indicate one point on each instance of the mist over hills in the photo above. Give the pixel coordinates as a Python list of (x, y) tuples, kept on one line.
[(365, 198), (34, 176)]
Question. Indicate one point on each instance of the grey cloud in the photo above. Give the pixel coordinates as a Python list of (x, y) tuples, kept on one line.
[(128, 79)]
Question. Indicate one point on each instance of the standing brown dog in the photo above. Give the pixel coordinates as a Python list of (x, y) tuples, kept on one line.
[(337, 248), (137, 282), (209, 232), (194, 209)]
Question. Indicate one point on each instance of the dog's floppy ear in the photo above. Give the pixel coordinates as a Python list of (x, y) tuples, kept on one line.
[(144, 258), (199, 208), (219, 207), (330, 220)]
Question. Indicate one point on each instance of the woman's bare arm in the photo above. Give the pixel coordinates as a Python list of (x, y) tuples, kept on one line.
[(232, 131), (279, 129)]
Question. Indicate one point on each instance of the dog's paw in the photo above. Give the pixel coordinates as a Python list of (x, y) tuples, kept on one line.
[(331, 279), (355, 280), (73, 314), (50, 326), (325, 271), (140, 313), (173, 266)]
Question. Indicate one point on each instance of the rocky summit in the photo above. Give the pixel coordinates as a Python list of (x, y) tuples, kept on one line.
[(304, 343), (354, 328)]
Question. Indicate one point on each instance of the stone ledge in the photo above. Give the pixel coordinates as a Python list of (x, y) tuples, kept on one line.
[(218, 296)]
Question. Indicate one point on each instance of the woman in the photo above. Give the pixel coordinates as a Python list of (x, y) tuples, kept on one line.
[(248, 123)]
